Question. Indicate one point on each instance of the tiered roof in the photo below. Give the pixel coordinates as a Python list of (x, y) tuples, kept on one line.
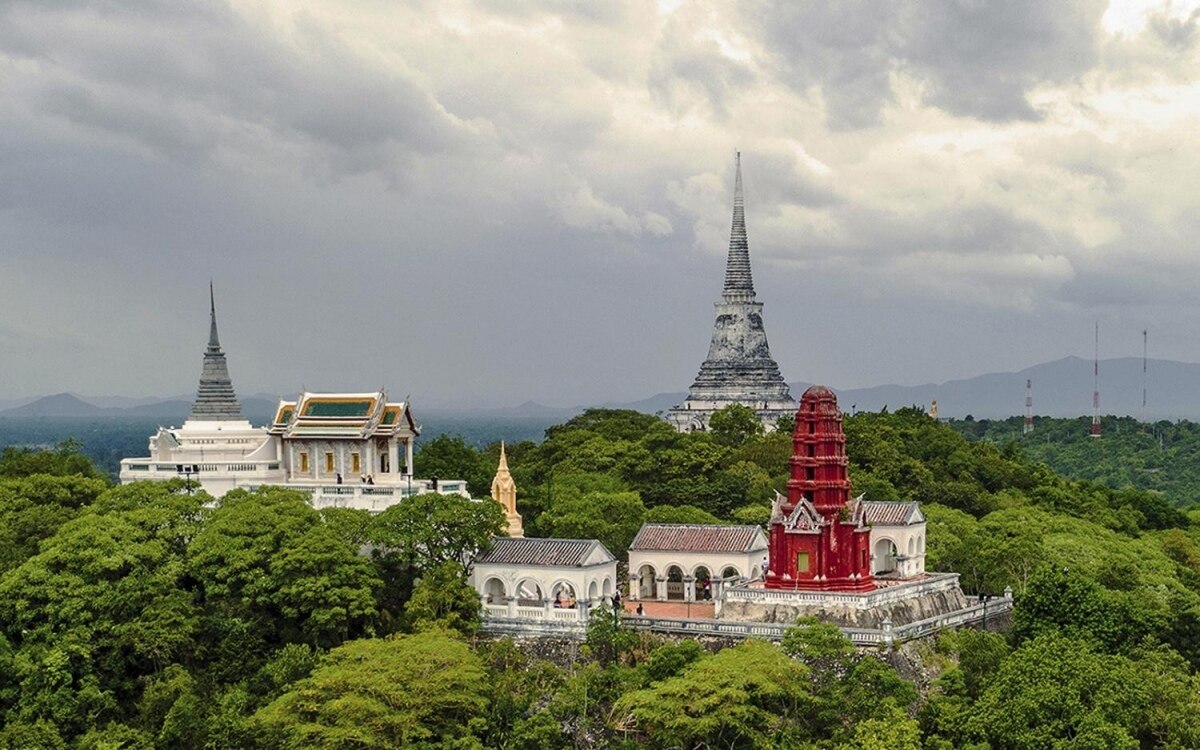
[(215, 399), (348, 415)]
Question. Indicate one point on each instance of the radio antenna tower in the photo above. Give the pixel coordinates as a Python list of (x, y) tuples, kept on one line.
[(1096, 386), (1028, 407), (1145, 349)]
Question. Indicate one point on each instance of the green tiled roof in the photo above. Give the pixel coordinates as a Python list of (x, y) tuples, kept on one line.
[(337, 408)]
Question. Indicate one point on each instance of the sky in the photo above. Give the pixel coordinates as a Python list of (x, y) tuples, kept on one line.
[(491, 201)]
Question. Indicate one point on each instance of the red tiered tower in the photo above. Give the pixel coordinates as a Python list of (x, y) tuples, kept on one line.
[(819, 538)]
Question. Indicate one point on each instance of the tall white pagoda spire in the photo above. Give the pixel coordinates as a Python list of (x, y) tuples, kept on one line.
[(739, 368)]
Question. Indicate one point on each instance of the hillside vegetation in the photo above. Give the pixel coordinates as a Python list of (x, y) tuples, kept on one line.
[(1163, 457), (143, 617)]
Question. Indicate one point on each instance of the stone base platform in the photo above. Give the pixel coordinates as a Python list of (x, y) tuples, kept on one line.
[(897, 602)]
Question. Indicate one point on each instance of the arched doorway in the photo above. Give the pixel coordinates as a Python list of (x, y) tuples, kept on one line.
[(593, 591), (675, 590), (529, 594), (607, 590), (704, 586), (885, 556), (493, 591), (646, 582), (730, 572)]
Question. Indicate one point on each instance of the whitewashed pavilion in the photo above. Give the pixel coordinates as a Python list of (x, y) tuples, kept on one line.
[(351, 450)]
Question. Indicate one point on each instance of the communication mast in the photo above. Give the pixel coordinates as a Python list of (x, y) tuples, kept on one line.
[(1145, 348), (1096, 386), (1028, 407)]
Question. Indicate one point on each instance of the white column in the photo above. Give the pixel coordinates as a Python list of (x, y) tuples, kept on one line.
[(660, 588), (689, 588), (635, 586), (408, 456), (393, 457)]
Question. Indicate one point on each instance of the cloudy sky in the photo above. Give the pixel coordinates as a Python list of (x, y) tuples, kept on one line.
[(500, 200)]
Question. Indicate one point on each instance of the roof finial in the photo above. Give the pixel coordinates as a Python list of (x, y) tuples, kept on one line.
[(739, 284), (503, 459), (214, 343)]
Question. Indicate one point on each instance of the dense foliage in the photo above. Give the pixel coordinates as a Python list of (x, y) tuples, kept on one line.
[(1162, 457), (145, 617)]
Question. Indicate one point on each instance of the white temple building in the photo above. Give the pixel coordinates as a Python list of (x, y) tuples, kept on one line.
[(525, 582), (692, 562), (351, 450), (897, 538)]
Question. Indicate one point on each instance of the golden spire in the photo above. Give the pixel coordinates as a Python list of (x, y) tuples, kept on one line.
[(504, 491)]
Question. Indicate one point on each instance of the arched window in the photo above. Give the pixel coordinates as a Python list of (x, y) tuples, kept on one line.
[(493, 591), (564, 596), (703, 583), (885, 556), (675, 583), (529, 594), (646, 583)]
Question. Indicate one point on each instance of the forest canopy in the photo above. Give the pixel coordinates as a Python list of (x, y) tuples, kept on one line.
[(151, 616)]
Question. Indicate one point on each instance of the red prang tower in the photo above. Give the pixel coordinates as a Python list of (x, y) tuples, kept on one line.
[(819, 539)]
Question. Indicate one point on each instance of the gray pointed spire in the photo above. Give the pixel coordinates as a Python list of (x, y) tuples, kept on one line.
[(739, 367), (214, 342), (739, 283), (215, 399)]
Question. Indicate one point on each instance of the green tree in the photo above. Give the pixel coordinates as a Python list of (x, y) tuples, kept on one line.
[(442, 599), (612, 517), (67, 459), (429, 530), (608, 640), (751, 695), (450, 457), (110, 586), (680, 514), (734, 424), (427, 690), (893, 730), (34, 507), (267, 557), (1053, 690), (351, 525)]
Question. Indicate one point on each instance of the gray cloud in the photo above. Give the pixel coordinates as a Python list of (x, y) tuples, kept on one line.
[(977, 59), (499, 202)]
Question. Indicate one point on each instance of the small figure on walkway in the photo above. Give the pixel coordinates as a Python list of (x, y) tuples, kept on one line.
[(641, 611), (339, 478)]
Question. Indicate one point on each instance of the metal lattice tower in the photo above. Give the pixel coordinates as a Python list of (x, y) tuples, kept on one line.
[(1145, 349), (1028, 407), (1096, 386)]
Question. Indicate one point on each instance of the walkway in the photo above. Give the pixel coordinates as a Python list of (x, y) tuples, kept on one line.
[(673, 610)]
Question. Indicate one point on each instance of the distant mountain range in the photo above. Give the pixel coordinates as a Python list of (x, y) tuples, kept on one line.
[(1062, 388), (258, 409)]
